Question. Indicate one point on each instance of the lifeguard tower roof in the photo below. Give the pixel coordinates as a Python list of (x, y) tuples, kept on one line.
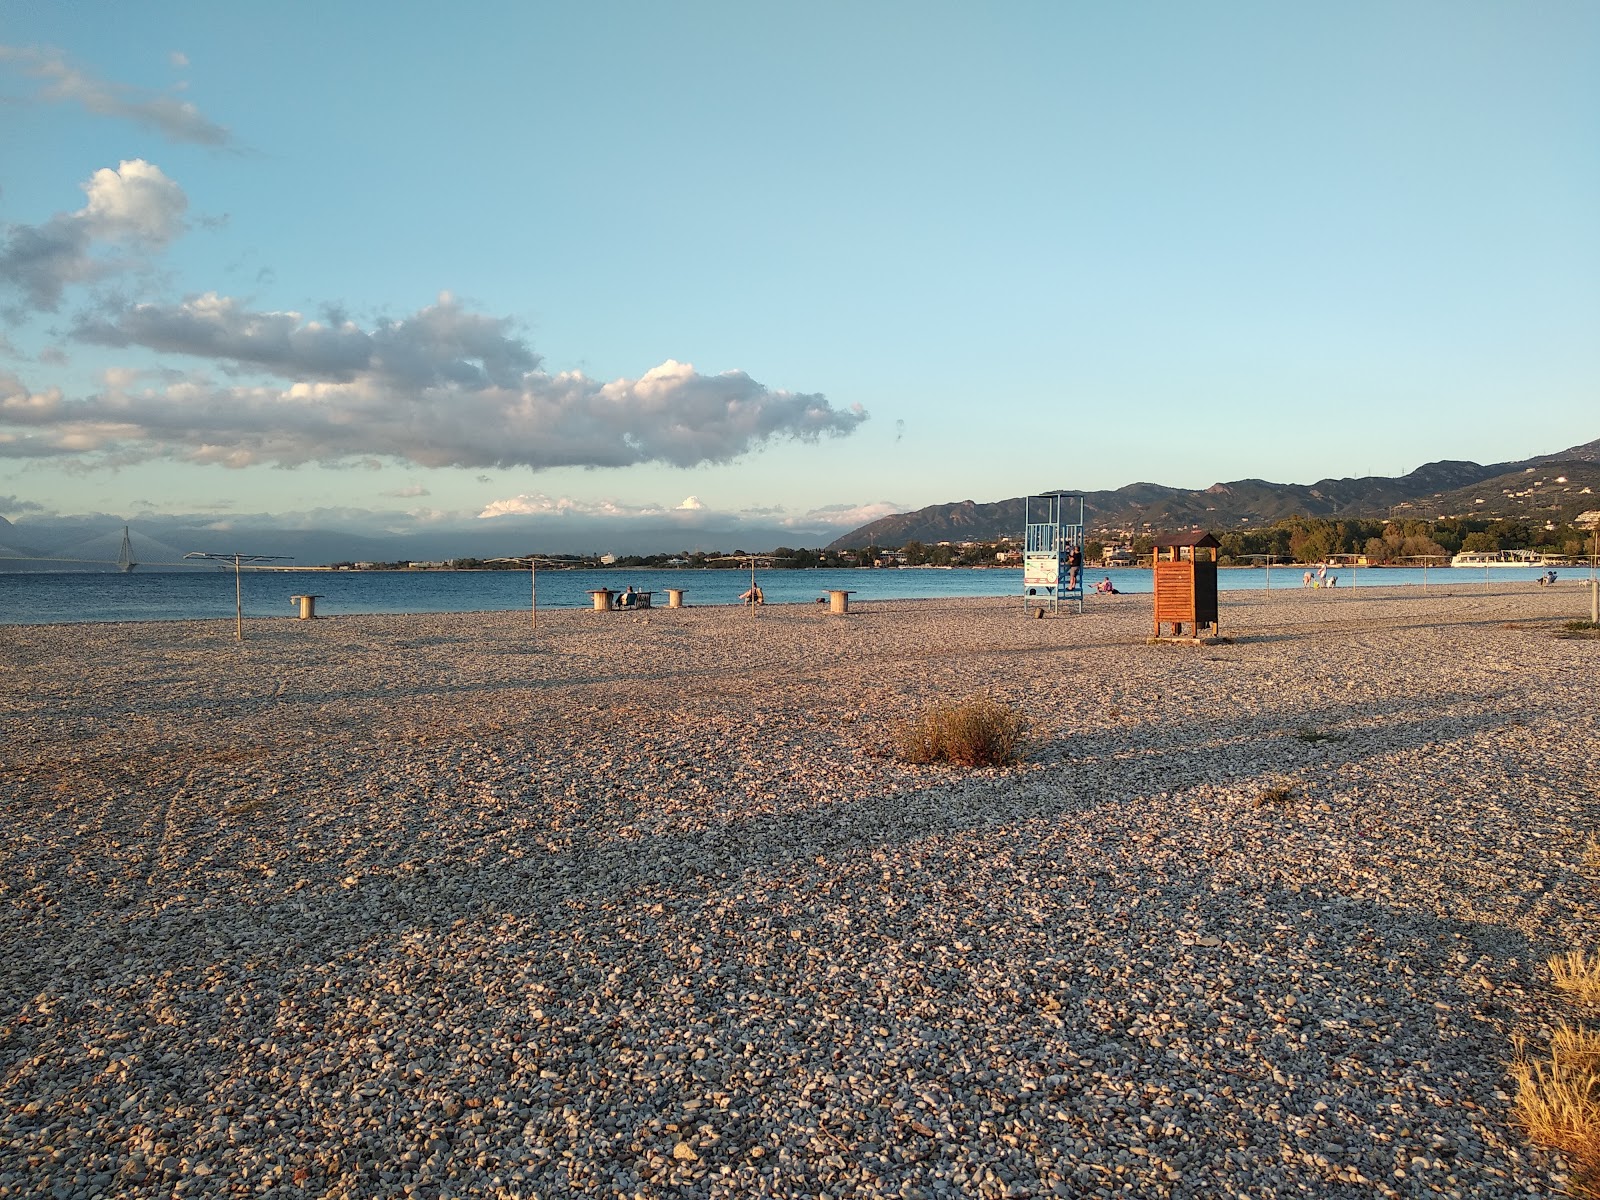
[(1196, 537)]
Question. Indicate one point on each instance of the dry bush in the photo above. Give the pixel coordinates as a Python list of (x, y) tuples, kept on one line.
[(1278, 794), (1558, 1101), (1578, 974), (1313, 736), (976, 732)]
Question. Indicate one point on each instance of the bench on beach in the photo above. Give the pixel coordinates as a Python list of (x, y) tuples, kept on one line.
[(608, 599)]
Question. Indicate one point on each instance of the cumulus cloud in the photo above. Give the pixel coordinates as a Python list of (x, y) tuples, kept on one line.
[(537, 504), (134, 209), (136, 202), (845, 516), (60, 82), (444, 387), (439, 346), (579, 523)]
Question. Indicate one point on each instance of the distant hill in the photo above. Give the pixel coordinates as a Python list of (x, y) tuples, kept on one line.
[(14, 547), (1551, 487)]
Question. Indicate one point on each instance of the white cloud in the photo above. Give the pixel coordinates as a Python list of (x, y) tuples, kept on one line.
[(444, 387), (136, 202), (691, 504), (135, 209), (845, 516), (404, 493), (539, 504), (553, 521), (64, 83)]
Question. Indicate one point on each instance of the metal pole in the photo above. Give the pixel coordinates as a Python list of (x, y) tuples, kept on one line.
[(238, 559), (533, 591)]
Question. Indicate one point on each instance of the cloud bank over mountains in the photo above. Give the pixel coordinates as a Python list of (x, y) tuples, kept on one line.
[(519, 525)]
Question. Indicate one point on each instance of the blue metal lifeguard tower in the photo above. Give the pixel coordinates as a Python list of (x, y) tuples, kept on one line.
[(1052, 551)]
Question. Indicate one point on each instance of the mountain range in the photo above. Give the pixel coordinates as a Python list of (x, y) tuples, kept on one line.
[(1551, 487)]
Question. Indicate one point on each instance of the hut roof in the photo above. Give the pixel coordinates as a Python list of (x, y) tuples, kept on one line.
[(1198, 537)]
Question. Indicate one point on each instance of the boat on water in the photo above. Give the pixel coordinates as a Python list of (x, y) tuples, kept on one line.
[(1504, 558)]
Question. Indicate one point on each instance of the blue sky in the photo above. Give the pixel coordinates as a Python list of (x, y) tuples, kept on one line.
[(732, 268)]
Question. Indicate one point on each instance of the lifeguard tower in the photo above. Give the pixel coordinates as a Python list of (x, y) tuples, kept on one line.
[(1185, 569), (1052, 551)]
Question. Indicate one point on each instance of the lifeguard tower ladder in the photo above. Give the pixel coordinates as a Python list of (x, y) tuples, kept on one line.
[(1052, 551)]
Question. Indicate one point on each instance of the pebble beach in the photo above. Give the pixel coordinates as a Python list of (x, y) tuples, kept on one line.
[(641, 904)]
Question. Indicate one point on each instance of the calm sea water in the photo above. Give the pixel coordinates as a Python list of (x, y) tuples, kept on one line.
[(62, 597)]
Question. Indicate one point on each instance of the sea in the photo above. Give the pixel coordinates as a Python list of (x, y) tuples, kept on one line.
[(61, 597)]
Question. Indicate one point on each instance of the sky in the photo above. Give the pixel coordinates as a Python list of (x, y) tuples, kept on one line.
[(612, 273)]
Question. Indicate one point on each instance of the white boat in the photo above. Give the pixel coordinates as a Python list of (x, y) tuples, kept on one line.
[(1502, 558)]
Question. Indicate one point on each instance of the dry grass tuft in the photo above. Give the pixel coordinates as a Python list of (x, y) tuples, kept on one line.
[(1558, 1101), (1313, 736), (1578, 974), (976, 732), (1274, 795), (245, 807)]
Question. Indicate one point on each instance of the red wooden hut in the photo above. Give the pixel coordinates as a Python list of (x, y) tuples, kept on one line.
[(1185, 569)]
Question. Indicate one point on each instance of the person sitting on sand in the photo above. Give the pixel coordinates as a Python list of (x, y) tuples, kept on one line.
[(1106, 588), (753, 596)]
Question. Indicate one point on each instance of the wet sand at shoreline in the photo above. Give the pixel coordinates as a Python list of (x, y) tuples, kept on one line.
[(638, 904)]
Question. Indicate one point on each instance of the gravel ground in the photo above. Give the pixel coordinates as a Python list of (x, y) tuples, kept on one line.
[(638, 904)]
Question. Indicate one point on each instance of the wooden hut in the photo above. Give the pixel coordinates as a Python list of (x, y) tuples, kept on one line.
[(1185, 569)]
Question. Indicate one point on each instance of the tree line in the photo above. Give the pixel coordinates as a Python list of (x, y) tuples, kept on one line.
[(1294, 539), (1314, 539)]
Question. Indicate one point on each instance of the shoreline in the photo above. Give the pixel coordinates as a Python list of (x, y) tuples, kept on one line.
[(638, 901)]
